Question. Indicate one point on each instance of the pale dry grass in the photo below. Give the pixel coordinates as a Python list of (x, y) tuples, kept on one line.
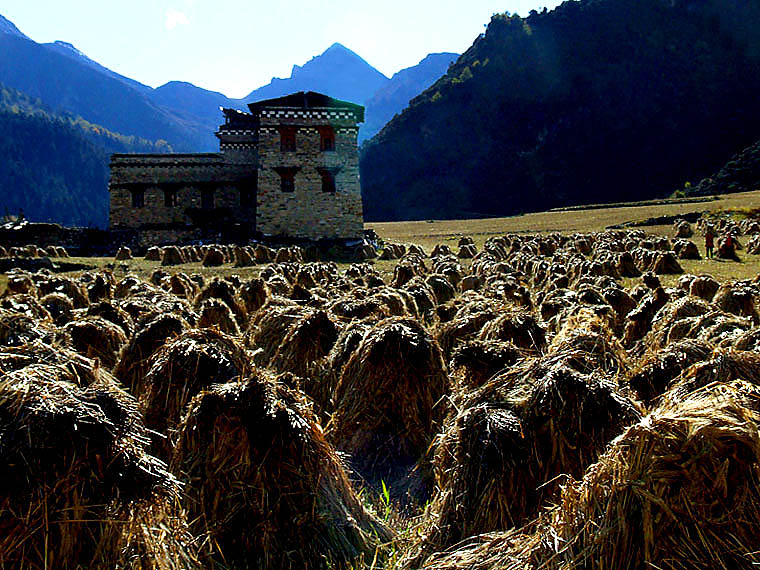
[(431, 232), (428, 233)]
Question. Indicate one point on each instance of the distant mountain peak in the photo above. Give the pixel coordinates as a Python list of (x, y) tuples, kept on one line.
[(66, 46), (8, 27), (337, 71)]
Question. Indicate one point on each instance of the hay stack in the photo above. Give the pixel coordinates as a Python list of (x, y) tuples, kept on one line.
[(467, 323), (21, 283), (725, 366), (467, 251), (153, 254), (270, 326), (18, 328), (172, 255), (214, 257), (475, 361), (182, 286), (682, 229), (678, 490), (114, 314), (350, 309), (59, 306), (307, 341), (96, 337), (145, 303), (223, 290), (123, 254), (101, 287), (728, 251), (587, 343), (179, 370), (69, 287), (749, 340), (215, 313), (674, 321), (262, 254), (134, 360), (704, 286), (253, 294), (658, 369), (639, 320), (518, 327), (244, 257), (388, 400), (443, 289), (738, 298), (266, 487), (77, 482), (499, 460), (686, 249)]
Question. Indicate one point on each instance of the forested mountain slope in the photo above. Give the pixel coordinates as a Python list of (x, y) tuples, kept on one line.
[(597, 100)]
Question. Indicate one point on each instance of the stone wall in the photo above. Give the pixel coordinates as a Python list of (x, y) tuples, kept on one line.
[(245, 181), (308, 211), (187, 176)]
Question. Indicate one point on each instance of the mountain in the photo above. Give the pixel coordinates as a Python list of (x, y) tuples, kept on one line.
[(597, 100), (395, 95), (194, 104), (8, 27), (55, 167), (66, 80), (67, 49), (740, 174), (338, 72)]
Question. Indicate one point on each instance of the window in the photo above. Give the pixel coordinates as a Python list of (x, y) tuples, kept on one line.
[(207, 198), (328, 181), (248, 188), (170, 197), (287, 139), (138, 198), (326, 139), (287, 177)]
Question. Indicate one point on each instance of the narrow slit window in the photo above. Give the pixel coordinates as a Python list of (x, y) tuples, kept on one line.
[(287, 178), (207, 198), (138, 198), (287, 139), (326, 139), (170, 198), (248, 189), (328, 181), (288, 184)]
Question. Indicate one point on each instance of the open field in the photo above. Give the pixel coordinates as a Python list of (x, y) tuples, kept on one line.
[(426, 413), (428, 233)]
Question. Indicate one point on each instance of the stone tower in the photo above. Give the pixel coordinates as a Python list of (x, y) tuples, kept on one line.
[(290, 168)]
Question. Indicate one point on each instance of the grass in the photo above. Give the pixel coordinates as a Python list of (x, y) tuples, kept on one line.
[(429, 233)]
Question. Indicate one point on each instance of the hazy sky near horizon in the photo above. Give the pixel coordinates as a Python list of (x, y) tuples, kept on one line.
[(235, 46)]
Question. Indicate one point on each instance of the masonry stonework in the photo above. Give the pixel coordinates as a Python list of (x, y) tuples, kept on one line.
[(288, 168)]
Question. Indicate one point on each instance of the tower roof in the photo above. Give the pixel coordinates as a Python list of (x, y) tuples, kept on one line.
[(308, 100)]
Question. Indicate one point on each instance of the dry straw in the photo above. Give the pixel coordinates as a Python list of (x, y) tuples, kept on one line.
[(265, 487), (389, 400), (181, 369), (134, 360), (76, 478)]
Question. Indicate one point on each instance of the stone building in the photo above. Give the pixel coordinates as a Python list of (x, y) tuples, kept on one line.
[(288, 168)]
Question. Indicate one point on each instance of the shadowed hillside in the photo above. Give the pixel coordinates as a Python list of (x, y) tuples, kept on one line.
[(598, 100), (55, 166)]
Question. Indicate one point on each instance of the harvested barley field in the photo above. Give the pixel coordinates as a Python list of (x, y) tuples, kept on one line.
[(524, 393)]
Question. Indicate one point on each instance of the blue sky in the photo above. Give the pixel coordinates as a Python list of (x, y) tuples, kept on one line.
[(234, 46)]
